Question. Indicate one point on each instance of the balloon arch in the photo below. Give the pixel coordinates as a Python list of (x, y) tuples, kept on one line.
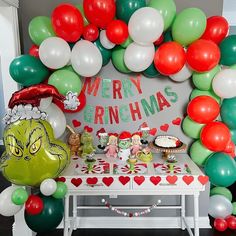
[(146, 38)]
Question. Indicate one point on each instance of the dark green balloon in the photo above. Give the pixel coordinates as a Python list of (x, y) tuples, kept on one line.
[(151, 71), (106, 53), (28, 70), (49, 218), (168, 36), (221, 169), (125, 8), (228, 51), (228, 112), (233, 136)]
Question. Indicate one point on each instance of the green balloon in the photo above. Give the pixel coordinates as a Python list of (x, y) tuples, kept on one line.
[(197, 92), (221, 191), (106, 53), (70, 68), (28, 70), (167, 8), (151, 71), (65, 81), (61, 190), (233, 67), (188, 26), (40, 28), (125, 8), (191, 128), (228, 112), (234, 208), (233, 135), (19, 196), (168, 36), (127, 42), (49, 218), (203, 81), (228, 51), (81, 9), (198, 153), (118, 59), (221, 169)]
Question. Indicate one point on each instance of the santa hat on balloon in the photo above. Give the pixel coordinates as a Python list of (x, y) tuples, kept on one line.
[(125, 135), (24, 104)]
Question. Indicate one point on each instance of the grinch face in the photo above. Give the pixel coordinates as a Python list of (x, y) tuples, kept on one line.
[(124, 144), (32, 153)]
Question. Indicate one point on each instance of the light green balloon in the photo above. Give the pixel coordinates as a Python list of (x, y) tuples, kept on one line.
[(65, 81), (61, 190), (234, 208), (188, 26), (19, 196), (167, 8), (221, 191), (198, 153), (197, 92), (81, 9), (127, 42), (40, 28), (118, 59), (191, 128), (233, 67), (203, 81)]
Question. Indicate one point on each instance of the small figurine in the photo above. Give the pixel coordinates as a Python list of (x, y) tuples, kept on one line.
[(124, 146), (136, 143), (87, 147), (144, 128), (90, 161), (112, 149), (145, 155), (103, 138), (74, 142)]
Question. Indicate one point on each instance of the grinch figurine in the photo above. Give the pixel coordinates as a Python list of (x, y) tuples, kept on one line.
[(87, 147), (124, 146)]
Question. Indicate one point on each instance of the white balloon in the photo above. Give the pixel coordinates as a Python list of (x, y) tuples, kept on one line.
[(86, 59), (224, 83), (7, 207), (57, 119), (220, 206), (54, 52), (184, 74), (106, 43), (48, 187), (45, 103), (146, 25), (139, 57)]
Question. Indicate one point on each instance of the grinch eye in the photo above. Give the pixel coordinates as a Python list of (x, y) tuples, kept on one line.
[(35, 146), (16, 151)]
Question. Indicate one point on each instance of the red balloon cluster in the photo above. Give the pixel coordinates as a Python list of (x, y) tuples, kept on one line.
[(34, 205), (67, 22)]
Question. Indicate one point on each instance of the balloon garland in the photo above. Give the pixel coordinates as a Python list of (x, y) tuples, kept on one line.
[(146, 38)]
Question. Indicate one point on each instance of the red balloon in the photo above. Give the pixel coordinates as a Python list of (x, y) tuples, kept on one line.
[(203, 55), (117, 31), (81, 98), (91, 32), (203, 109), (220, 224), (159, 40), (100, 12), (34, 51), (34, 205), (217, 29), (231, 221), (169, 58), (215, 136), (67, 22)]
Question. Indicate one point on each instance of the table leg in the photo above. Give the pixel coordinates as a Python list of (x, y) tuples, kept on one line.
[(182, 212), (66, 216), (196, 214), (74, 212)]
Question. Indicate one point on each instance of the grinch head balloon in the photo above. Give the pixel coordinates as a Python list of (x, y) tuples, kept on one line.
[(32, 153)]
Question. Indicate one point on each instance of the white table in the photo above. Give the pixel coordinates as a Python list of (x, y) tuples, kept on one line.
[(111, 178)]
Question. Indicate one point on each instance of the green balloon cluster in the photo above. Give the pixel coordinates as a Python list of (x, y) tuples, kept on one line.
[(40, 28), (167, 8), (228, 51), (61, 190), (65, 81), (188, 26), (126, 8), (19, 196), (28, 70), (106, 53)]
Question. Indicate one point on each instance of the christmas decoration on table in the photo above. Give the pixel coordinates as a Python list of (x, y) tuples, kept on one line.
[(103, 138), (136, 143), (74, 142), (145, 155), (87, 146), (130, 214), (144, 129), (124, 146), (112, 145)]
